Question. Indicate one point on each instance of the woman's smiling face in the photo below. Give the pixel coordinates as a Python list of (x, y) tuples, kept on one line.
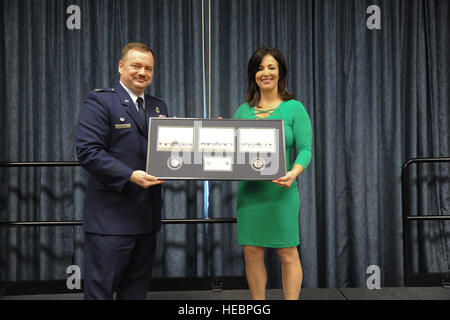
[(268, 74)]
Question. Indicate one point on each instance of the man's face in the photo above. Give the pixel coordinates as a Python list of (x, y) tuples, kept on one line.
[(136, 70)]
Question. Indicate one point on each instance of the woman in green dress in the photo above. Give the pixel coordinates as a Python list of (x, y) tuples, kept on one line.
[(268, 211)]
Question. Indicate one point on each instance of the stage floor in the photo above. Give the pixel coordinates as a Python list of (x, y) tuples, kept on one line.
[(398, 293)]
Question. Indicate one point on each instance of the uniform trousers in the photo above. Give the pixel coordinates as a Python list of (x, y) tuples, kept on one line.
[(120, 264)]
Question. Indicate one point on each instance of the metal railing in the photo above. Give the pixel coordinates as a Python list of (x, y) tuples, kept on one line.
[(51, 285), (80, 222), (406, 218), (438, 278)]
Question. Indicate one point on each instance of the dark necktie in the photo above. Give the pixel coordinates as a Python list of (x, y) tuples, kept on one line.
[(141, 109)]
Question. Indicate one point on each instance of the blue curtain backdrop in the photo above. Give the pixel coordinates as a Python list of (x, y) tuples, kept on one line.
[(376, 98)]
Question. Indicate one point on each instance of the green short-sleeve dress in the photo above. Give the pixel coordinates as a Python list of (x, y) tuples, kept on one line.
[(267, 215)]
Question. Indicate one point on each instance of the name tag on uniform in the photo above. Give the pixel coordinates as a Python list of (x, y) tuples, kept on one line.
[(123, 126)]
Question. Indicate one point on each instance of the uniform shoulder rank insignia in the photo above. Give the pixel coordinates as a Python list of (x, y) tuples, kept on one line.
[(158, 98), (105, 90)]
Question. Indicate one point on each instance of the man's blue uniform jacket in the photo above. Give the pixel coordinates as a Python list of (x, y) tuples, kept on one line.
[(111, 142)]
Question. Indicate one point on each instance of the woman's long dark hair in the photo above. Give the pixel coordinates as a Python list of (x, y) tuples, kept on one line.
[(253, 94)]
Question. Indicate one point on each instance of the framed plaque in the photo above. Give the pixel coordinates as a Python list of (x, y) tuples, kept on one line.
[(216, 149)]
